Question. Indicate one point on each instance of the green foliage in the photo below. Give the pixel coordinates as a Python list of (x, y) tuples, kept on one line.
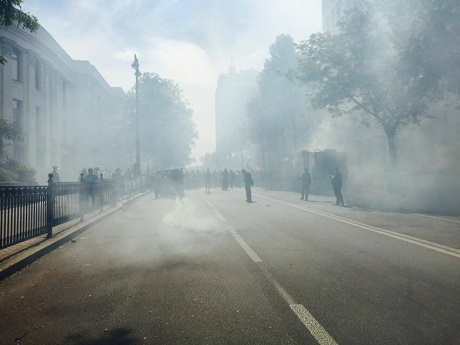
[(8, 131), (12, 15), (376, 65), (167, 131), (6, 175), (430, 35), (272, 112), (11, 170)]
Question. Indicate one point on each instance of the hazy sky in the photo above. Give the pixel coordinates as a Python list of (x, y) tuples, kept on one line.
[(189, 41)]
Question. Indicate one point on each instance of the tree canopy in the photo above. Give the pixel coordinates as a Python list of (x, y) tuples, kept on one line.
[(12, 15), (377, 65), (167, 131), (272, 112)]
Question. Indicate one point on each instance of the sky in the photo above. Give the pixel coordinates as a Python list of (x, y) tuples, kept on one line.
[(188, 41)]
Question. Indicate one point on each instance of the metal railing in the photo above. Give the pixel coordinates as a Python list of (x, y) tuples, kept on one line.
[(30, 211)]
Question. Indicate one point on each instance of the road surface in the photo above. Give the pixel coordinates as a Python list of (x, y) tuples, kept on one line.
[(213, 269)]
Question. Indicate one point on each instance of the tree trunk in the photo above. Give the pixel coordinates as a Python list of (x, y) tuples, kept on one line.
[(392, 148), (263, 154)]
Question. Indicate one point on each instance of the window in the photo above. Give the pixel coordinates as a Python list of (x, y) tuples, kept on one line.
[(38, 79), (16, 65), (17, 113)]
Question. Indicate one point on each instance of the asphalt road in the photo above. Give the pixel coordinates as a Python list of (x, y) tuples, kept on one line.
[(212, 269)]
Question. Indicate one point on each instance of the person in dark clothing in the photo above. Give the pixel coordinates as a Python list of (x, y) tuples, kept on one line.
[(336, 181), (225, 179), (231, 176), (305, 185), (208, 181), (248, 183)]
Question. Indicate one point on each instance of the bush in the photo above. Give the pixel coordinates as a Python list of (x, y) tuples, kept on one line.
[(6, 175), (13, 171)]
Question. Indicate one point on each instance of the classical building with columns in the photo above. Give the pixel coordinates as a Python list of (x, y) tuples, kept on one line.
[(63, 107)]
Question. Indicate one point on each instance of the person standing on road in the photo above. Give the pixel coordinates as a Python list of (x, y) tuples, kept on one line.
[(305, 185), (336, 181), (225, 179), (90, 182), (248, 183), (208, 181)]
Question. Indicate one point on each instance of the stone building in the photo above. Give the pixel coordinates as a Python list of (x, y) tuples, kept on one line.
[(234, 90), (62, 106)]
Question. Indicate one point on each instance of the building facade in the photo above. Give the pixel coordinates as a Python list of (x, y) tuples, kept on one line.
[(61, 106), (234, 90)]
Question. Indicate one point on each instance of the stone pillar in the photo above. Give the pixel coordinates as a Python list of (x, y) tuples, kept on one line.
[(6, 94), (46, 116), (30, 110)]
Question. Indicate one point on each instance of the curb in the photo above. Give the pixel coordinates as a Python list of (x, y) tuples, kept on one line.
[(20, 261)]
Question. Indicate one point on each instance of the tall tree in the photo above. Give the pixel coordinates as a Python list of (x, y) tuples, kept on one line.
[(367, 68), (272, 112), (429, 32), (167, 131), (12, 15)]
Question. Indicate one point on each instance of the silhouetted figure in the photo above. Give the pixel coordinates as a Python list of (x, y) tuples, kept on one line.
[(90, 181), (305, 182), (248, 183), (231, 176), (55, 173), (336, 181), (208, 181), (225, 179)]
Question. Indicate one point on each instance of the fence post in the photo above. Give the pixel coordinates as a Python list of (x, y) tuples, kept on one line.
[(101, 191), (82, 197), (50, 207)]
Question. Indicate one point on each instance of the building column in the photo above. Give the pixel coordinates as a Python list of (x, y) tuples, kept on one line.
[(30, 110), (6, 92)]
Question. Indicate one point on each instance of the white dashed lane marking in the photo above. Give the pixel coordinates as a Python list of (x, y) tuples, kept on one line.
[(313, 326)]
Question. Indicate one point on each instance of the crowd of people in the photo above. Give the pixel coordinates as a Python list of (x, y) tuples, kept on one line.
[(173, 182)]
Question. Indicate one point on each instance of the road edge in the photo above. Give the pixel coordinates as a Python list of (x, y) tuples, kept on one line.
[(27, 257)]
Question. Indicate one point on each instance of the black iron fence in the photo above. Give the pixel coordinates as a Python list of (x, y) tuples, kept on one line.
[(31, 211)]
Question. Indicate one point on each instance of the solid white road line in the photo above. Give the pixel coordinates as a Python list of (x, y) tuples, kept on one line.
[(406, 238), (313, 326), (437, 218)]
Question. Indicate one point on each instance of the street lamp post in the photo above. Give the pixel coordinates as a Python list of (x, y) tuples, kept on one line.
[(137, 73)]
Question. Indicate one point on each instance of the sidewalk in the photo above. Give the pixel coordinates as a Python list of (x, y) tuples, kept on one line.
[(18, 256)]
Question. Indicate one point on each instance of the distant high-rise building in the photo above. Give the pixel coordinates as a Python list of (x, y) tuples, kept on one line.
[(234, 90)]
